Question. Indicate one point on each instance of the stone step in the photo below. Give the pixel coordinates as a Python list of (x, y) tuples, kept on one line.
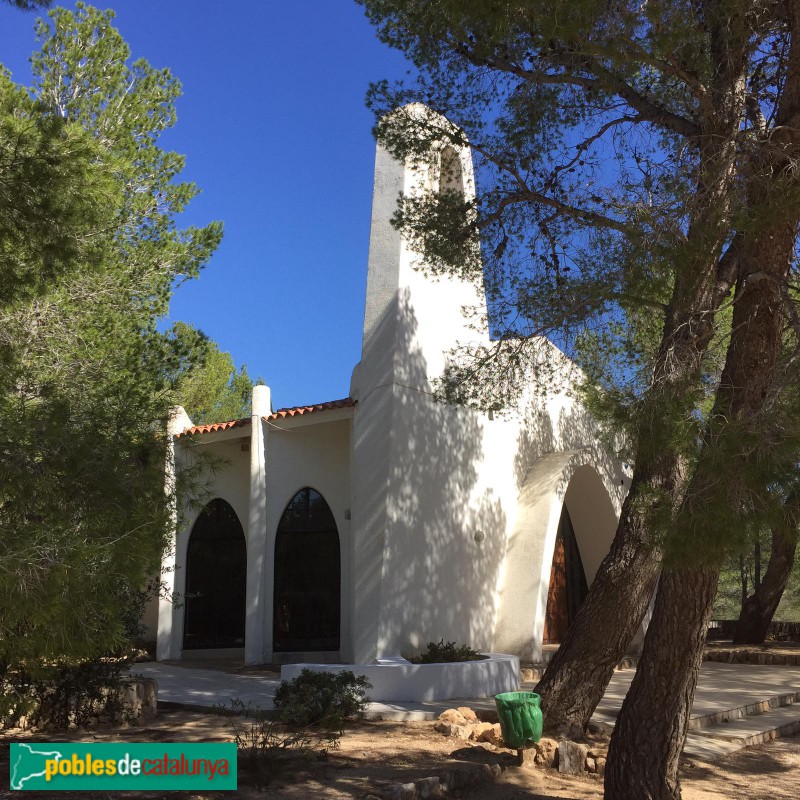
[(606, 717), (704, 748), (715, 740), (704, 721), (756, 728)]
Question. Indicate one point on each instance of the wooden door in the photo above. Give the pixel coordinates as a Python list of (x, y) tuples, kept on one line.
[(556, 620), (567, 589)]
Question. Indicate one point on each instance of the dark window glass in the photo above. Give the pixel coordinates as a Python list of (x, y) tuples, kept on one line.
[(307, 576), (216, 580)]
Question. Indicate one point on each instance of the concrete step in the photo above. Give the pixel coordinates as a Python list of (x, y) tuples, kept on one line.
[(713, 736), (705, 748), (606, 717), (756, 728), (703, 721)]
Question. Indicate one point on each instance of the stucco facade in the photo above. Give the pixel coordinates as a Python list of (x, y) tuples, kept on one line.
[(447, 519)]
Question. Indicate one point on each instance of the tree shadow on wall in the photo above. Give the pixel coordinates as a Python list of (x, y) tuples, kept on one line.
[(437, 534)]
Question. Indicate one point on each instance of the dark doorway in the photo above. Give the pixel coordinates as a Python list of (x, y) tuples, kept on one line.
[(216, 580), (568, 588), (307, 577)]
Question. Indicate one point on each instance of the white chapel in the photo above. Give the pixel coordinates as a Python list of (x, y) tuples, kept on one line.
[(367, 526)]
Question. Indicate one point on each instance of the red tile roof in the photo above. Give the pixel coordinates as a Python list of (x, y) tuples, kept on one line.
[(281, 413), (216, 426)]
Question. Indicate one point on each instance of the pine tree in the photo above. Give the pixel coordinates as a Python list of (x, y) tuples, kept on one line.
[(89, 379), (635, 165)]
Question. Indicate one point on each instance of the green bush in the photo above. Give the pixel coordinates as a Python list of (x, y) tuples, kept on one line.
[(58, 695), (326, 699), (444, 653), (265, 747)]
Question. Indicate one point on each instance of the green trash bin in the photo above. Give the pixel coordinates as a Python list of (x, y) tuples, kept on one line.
[(520, 718)]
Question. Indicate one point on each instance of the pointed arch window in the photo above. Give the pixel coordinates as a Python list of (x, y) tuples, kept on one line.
[(306, 603), (216, 579)]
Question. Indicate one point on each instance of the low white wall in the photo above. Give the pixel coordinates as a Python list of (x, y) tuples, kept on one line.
[(407, 682)]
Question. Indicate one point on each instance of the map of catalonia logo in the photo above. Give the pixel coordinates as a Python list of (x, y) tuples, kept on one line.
[(41, 766)]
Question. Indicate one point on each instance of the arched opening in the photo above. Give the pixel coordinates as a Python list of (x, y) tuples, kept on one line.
[(451, 174), (568, 587), (306, 605), (216, 579), (525, 594)]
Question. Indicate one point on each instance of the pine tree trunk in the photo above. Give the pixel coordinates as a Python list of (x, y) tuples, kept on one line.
[(759, 608), (579, 672), (651, 729), (578, 675), (582, 666)]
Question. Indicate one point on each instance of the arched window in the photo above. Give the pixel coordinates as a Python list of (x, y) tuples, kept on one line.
[(306, 605), (451, 175), (216, 580)]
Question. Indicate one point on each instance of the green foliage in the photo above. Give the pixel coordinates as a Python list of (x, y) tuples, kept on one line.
[(741, 569), (29, 5), (614, 205), (88, 379), (56, 191), (442, 652), (213, 389), (265, 747), (56, 695), (324, 699)]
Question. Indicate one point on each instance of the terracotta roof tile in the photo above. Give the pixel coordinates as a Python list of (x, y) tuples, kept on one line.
[(216, 426), (281, 413)]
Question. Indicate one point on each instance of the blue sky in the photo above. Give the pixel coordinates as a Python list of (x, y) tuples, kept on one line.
[(275, 132)]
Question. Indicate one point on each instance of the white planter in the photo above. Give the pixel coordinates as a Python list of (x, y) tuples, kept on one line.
[(398, 680)]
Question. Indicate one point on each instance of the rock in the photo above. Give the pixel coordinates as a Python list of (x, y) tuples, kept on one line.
[(526, 675), (454, 717), (449, 729), (493, 736), (401, 791), (468, 714), (429, 787), (476, 731), (546, 750), (527, 757), (601, 765), (571, 757), (591, 764)]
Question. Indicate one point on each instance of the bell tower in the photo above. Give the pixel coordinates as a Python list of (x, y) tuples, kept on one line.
[(411, 321)]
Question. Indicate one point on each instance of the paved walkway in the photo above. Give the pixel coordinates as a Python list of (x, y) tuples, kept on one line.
[(721, 688)]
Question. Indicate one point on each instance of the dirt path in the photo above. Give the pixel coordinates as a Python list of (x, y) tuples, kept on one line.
[(373, 755)]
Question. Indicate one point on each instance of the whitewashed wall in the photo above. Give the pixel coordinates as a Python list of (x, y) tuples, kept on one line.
[(439, 531)]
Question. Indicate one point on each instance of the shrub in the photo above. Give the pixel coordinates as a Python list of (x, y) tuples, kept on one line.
[(443, 653), (264, 746), (327, 699), (62, 694)]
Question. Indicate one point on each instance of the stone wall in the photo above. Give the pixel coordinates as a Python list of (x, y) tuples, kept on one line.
[(134, 702)]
